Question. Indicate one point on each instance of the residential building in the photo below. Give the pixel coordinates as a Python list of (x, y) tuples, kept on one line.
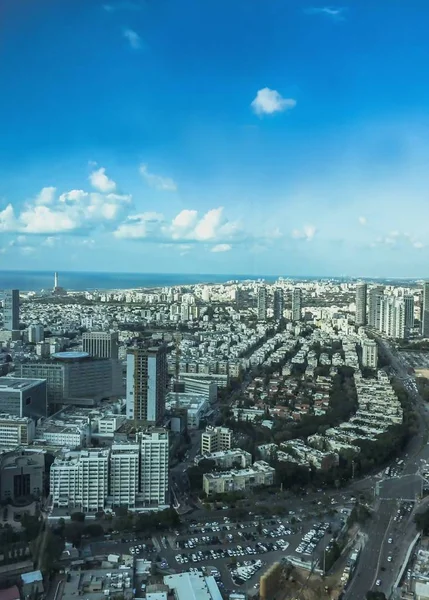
[(361, 300), (23, 397), (262, 303), (22, 474), (369, 354), (124, 474), (154, 463), (375, 298), (409, 314), (101, 344), (425, 310), (147, 381), (36, 334), (11, 310), (278, 304), (16, 431), (392, 318), (65, 435), (296, 304), (226, 459), (215, 439), (238, 480)]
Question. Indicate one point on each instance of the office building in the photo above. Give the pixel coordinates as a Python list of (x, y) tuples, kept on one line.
[(262, 303), (375, 298), (154, 463), (23, 397), (238, 480), (208, 389), (147, 380), (278, 304), (214, 439), (409, 314), (16, 431), (101, 344), (425, 310), (36, 334), (22, 474), (11, 310), (124, 474), (392, 317), (227, 459), (296, 304), (369, 354), (361, 297)]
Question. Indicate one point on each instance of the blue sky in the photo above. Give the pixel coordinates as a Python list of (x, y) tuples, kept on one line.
[(215, 136)]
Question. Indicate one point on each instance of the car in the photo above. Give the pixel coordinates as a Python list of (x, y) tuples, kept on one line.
[(378, 582), (389, 559), (390, 541)]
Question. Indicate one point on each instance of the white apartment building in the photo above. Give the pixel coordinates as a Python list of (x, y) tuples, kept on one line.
[(226, 459), (124, 474), (64, 481), (214, 439), (62, 434), (296, 304), (36, 334), (369, 354), (392, 317), (16, 431), (109, 424), (237, 480), (154, 478)]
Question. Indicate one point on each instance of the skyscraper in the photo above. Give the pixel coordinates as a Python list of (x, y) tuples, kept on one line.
[(392, 320), (409, 313), (278, 303), (361, 290), (154, 464), (100, 344), (262, 303), (296, 304), (369, 354), (375, 298), (425, 310), (11, 310), (147, 377)]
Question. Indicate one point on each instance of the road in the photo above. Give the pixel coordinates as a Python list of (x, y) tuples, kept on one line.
[(373, 565)]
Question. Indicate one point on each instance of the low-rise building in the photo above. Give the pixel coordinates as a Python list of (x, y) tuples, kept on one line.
[(214, 439), (238, 480), (193, 586), (226, 459), (16, 431)]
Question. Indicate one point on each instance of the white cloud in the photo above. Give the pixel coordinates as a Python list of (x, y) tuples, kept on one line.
[(221, 248), (156, 181), (211, 227), (328, 11), (133, 38), (46, 196), (418, 245), (50, 241), (73, 196), (362, 220), (41, 219), (27, 250), (268, 102), (140, 226), (7, 219), (101, 182), (306, 233)]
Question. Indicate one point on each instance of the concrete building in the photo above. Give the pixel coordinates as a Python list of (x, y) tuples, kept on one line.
[(238, 480), (204, 388), (361, 300), (262, 303), (192, 586), (36, 334), (16, 431), (11, 310), (21, 475), (375, 298), (147, 380), (65, 435), (278, 304), (392, 319), (369, 354), (124, 474), (226, 459), (425, 310), (101, 344), (409, 314), (23, 397), (296, 304), (154, 464), (215, 439)]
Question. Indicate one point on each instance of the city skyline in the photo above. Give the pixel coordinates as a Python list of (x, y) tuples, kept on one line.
[(293, 146)]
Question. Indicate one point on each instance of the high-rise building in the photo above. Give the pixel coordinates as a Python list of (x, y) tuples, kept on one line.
[(23, 397), (154, 463), (392, 318), (262, 303), (375, 298), (124, 474), (147, 380), (369, 354), (296, 304), (409, 314), (425, 310), (36, 334), (101, 344), (278, 304), (215, 439), (361, 294), (11, 310)]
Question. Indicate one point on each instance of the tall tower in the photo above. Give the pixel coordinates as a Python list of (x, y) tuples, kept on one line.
[(375, 298), (296, 304), (361, 292), (147, 378), (278, 304), (262, 303), (11, 310), (55, 280), (409, 313), (425, 310)]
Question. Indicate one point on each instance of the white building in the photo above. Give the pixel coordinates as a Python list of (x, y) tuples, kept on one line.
[(361, 297), (214, 439), (296, 304), (101, 344), (369, 354), (66, 435), (193, 586), (36, 334), (262, 303), (154, 480), (226, 459), (16, 431), (392, 317), (124, 474)]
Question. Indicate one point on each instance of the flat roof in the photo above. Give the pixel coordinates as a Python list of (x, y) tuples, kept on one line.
[(18, 384), (193, 586), (70, 355)]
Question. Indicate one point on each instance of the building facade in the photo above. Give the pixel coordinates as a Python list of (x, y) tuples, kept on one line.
[(154, 471), (361, 300), (369, 354), (147, 381), (36, 334), (11, 310), (238, 480), (215, 439), (278, 304), (425, 310), (296, 304), (409, 314), (23, 397), (124, 474), (22, 475), (375, 298), (262, 303), (16, 431), (101, 344)]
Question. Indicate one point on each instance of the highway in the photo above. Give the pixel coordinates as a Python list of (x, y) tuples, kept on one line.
[(388, 537)]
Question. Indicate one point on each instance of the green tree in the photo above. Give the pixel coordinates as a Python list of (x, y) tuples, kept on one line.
[(46, 550), (375, 596), (77, 517)]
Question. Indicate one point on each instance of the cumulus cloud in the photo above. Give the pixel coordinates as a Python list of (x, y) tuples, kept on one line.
[(101, 182), (46, 196), (157, 181), (268, 102), (221, 248), (336, 14), (306, 233), (133, 38), (140, 226)]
